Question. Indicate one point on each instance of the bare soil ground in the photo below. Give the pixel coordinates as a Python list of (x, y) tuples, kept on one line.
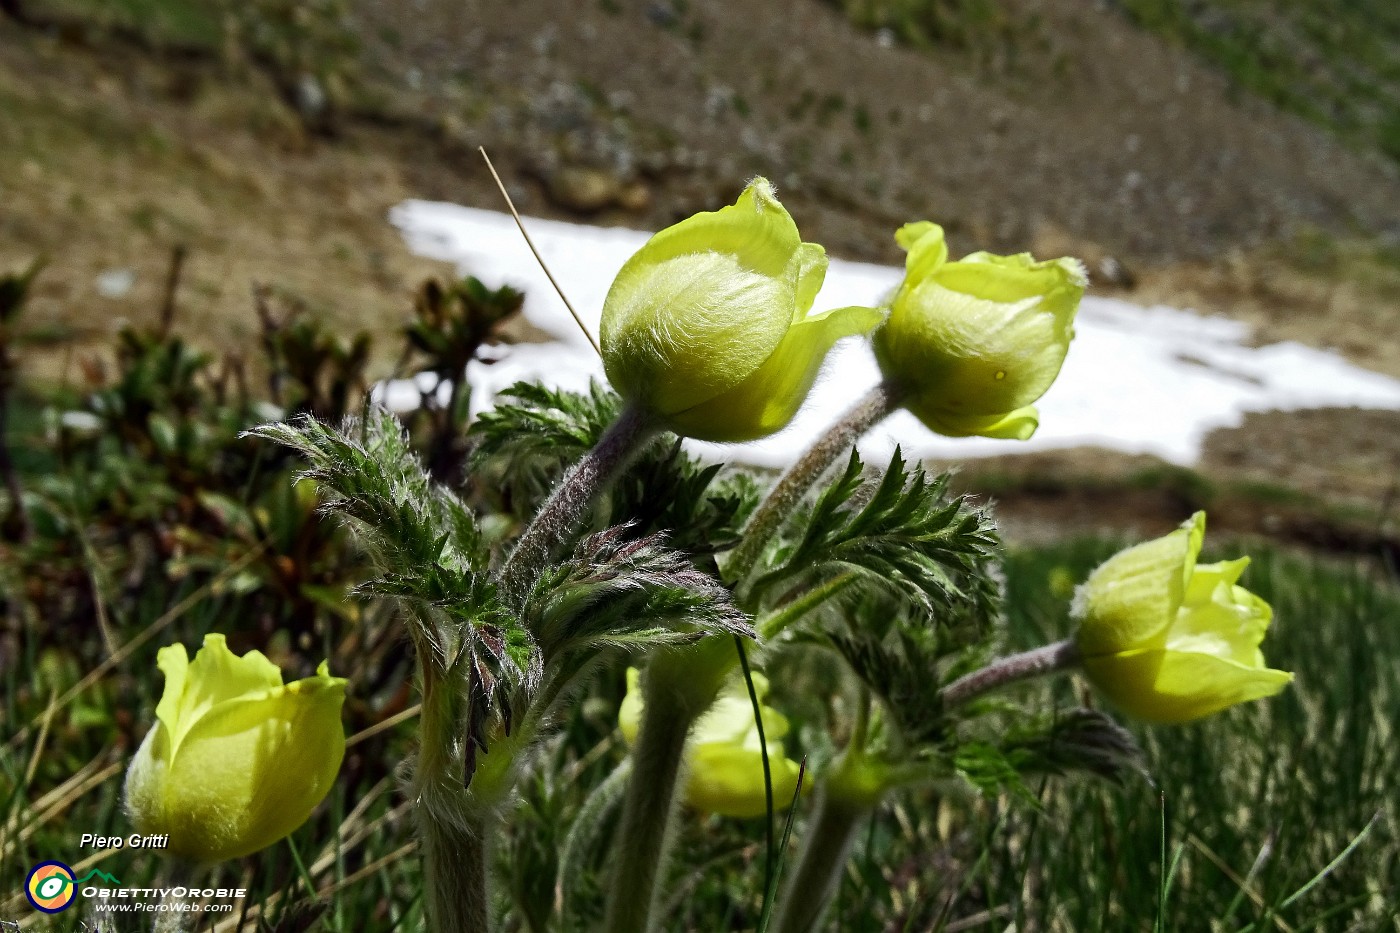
[(1093, 126), (1332, 497), (110, 160)]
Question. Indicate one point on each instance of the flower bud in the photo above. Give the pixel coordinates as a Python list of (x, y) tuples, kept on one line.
[(707, 326), (1169, 640), (236, 760), (724, 757), (973, 343)]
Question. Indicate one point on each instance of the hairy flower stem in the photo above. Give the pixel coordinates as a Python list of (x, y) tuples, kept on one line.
[(560, 515), (452, 823), (175, 915), (826, 846), (1060, 656), (878, 404), (679, 686), (455, 856)]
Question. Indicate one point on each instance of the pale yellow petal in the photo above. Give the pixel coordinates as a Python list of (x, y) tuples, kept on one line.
[(767, 401), (728, 780), (1206, 578), (236, 760), (1173, 687), (809, 267), (1017, 425), (1131, 600), (1230, 623), (699, 307), (228, 792), (215, 675), (926, 246), (973, 356)]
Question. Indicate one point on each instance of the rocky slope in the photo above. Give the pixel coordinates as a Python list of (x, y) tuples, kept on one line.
[(1080, 127)]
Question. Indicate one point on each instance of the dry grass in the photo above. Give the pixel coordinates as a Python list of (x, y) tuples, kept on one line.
[(116, 161)]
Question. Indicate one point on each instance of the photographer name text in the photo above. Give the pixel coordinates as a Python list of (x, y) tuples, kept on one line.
[(134, 841)]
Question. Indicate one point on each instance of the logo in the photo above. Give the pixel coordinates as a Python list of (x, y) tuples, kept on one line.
[(51, 886)]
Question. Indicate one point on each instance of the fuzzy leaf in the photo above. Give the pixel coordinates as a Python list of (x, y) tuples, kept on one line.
[(909, 534), (903, 661), (534, 434), (892, 670), (430, 557), (618, 591), (1078, 740)]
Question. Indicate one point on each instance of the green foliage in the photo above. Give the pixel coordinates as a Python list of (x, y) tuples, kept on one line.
[(891, 669), (614, 592), (163, 22), (153, 520), (902, 530), (370, 476), (310, 368), (146, 487), (617, 591), (451, 323), (431, 561), (1077, 740), (1330, 61), (14, 290), (583, 854), (141, 493), (526, 442), (309, 49), (311, 37), (699, 508), (1059, 743)]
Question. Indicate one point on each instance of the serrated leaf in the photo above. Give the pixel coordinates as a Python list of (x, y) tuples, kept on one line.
[(907, 534), (617, 591), (991, 770), (430, 558), (1079, 740), (527, 442)]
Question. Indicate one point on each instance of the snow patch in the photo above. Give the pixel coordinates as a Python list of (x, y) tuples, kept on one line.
[(1151, 380)]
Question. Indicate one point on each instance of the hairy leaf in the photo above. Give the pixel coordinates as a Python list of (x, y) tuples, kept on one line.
[(908, 534), (533, 434), (430, 557), (892, 669), (619, 591), (1077, 740), (1084, 741), (524, 446), (904, 662)]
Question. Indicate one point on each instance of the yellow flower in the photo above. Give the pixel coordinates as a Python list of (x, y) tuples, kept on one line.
[(708, 327), (236, 759), (724, 757), (1169, 640), (973, 343)]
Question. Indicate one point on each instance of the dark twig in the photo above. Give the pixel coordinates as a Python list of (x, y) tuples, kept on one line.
[(172, 286)]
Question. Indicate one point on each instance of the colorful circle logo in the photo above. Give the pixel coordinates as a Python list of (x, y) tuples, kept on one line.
[(50, 887)]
